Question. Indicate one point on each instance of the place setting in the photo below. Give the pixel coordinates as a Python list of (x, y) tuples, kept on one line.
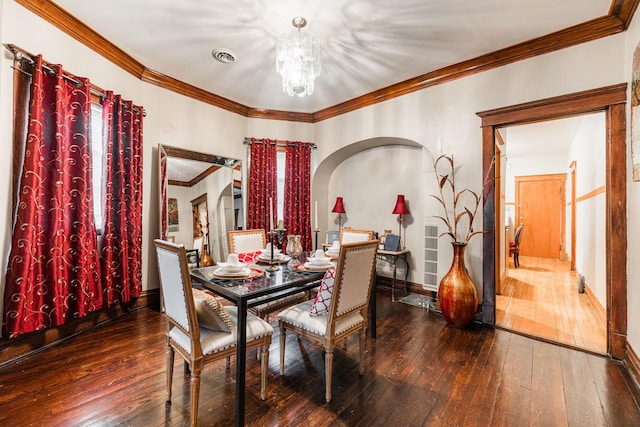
[(272, 255), (319, 261), (334, 250), (233, 269)]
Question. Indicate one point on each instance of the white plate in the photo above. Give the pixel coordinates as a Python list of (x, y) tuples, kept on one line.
[(276, 256), (230, 269), (320, 262), (220, 272), (330, 252), (311, 266)]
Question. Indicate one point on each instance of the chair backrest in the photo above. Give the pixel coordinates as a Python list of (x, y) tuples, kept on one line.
[(518, 236), (353, 281), (242, 241), (175, 286), (351, 235)]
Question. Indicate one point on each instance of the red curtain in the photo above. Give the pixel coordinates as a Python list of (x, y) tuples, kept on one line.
[(122, 211), (297, 192), (53, 272), (263, 176)]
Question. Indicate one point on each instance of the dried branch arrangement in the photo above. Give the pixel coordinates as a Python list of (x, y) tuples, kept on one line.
[(460, 207)]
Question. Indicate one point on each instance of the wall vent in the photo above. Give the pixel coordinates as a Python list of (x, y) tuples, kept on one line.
[(431, 256)]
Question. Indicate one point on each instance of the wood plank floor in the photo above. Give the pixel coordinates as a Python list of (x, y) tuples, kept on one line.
[(541, 298), (419, 372)]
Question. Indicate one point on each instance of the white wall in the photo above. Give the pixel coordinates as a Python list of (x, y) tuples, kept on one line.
[(442, 119), (588, 151)]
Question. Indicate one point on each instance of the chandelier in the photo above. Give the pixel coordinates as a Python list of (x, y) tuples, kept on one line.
[(299, 60)]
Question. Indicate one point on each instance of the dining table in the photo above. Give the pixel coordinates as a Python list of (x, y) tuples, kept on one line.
[(260, 286)]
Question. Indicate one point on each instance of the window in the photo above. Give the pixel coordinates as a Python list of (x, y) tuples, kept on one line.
[(96, 159), (281, 163)]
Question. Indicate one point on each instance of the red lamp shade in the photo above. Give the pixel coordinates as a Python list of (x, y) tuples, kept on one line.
[(339, 207), (401, 207)]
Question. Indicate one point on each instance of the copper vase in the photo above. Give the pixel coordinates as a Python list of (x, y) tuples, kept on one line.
[(457, 293), (205, 259)]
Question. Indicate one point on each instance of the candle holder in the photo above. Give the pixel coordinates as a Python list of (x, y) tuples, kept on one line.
[(316, 231), (272, 265)]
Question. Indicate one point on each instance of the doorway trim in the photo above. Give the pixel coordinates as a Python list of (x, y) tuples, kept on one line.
[(611, 100)]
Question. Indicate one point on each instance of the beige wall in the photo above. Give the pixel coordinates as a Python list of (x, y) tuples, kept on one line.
[(441, 119)]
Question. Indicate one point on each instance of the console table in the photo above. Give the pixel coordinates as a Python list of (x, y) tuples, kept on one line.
[(392, 257)]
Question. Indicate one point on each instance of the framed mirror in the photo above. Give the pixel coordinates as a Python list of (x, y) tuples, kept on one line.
[(187, 176)]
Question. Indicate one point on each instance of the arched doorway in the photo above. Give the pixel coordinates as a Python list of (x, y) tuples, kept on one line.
[(611, 100)]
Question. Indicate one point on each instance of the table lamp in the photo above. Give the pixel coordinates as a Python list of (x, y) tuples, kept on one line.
[(339, 209), (400, 209)]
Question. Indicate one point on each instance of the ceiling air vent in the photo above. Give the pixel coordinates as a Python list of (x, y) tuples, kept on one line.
[(225, 56)]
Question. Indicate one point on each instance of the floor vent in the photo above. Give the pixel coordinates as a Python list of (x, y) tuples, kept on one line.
[(431, 256)]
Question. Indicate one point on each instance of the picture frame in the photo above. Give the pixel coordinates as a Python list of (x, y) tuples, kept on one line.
[(392, 242), (333, 236), (172, 214)]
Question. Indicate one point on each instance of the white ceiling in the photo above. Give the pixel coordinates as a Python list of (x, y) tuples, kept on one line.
[(367, 44)]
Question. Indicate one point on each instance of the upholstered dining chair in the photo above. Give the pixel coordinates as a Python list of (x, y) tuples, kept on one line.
[(340, 308), (350, 235), (514, 247), (246, 241), (198, 328), (247, 244)]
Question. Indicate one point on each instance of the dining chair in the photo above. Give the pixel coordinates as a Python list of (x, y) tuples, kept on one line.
[(514, 247), (350, 235), (201, 331), (246, 241), (340, 308), (248, 244)]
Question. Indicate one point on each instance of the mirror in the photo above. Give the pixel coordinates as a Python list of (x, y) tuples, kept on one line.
[(198, 187)]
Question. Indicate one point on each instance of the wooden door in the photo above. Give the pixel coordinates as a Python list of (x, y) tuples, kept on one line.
[(540, 201)]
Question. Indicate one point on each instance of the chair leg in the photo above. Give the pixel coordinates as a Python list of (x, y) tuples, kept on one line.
[(170, 358), (516, 259), (282, 347), (264, 362), (361, 361), (328, 373), (195, 394)]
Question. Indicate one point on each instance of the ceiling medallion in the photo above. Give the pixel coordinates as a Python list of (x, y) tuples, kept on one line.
[(299, 60)]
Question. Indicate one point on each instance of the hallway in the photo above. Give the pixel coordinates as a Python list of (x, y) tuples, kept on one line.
[(541, 299)]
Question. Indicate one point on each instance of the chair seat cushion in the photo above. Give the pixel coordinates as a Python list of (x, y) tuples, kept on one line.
[(299, 315), (215, 341), (322, 302), (211, 314)]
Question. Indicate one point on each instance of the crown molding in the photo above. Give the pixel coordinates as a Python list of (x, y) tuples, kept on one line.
[(617, 20)]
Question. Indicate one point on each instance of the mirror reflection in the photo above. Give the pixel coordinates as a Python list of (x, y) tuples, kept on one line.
[(200, 199)]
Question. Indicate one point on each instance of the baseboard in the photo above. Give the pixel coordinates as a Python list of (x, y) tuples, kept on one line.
[(414, 288), (12, 350), (632, 363), (598, 309)]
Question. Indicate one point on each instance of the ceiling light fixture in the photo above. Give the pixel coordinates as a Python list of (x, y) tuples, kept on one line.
[(299, 60)]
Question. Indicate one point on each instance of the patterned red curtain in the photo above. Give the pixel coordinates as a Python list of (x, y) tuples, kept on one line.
[(53, 272), (297, 192), (263, 176), (122, 210)]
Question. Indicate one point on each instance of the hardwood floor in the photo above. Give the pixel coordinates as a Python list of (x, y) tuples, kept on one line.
[(419, 372), (541, 299)]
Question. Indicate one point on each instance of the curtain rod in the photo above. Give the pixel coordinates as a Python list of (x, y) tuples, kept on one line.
[(22, 55), (278, 142)]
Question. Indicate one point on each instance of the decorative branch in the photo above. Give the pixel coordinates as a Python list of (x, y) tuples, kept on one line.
[(459, 207)]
